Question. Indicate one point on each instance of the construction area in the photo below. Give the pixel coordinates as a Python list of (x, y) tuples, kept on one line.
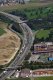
[(9, 44)]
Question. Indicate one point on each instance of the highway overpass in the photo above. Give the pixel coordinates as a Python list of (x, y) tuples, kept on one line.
[(28, 41)]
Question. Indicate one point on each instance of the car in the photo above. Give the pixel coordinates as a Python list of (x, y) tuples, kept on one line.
[(21, 51), (4, 71)]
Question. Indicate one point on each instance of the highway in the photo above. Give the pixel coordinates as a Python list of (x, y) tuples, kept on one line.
[(28, 41)]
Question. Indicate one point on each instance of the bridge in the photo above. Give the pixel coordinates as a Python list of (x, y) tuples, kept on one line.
[(12, 68)]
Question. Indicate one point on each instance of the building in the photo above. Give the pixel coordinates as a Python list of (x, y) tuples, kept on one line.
[(25, 73), (50, 59), (43, 47), (42, 72)]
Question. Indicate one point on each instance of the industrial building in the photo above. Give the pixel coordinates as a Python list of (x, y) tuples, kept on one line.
[(43, 47)]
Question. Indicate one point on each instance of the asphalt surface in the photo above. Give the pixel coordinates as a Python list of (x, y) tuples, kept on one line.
[(28, 41)]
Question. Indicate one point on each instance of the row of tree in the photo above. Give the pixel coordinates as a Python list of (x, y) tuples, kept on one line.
[(37, 65)]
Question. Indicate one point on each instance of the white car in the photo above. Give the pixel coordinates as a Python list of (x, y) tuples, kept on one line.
[(4, 71)]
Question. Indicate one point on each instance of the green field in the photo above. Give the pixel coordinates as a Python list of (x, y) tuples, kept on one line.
[(42, 34), (34, 0), (2, 31), (24, 6), (39, 12), (3, 25), (44, 78), (37, 78), (33, 12)]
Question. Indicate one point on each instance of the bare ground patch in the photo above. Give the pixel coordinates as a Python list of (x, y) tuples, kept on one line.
[(9, 45)]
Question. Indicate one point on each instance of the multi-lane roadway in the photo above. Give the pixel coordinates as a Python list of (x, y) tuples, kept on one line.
[(28, 41)]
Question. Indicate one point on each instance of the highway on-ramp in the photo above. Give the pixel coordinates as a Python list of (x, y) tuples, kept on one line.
[(28, 41)]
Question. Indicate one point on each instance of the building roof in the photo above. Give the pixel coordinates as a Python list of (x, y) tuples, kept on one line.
[(25, 70), (51, 59), (43, 47)]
